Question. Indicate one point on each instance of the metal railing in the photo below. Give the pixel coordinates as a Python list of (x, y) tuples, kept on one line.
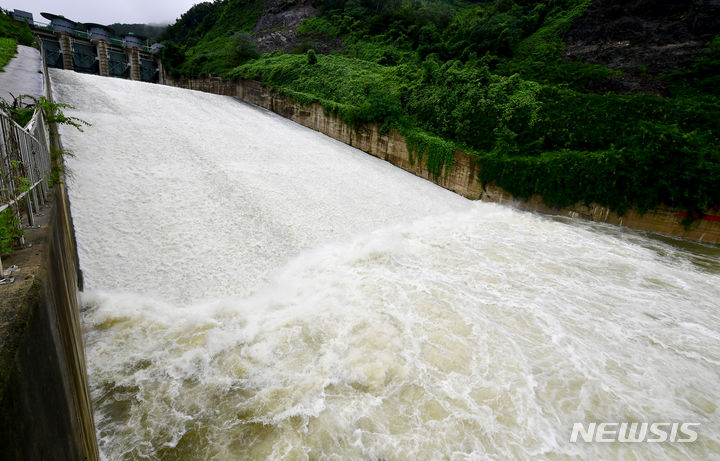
[(24, 168)]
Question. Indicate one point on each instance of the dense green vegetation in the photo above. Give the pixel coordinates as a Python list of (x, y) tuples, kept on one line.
[(489, 78), (11, 33), (11, 28), (9, 231), (8, 48), (701, 81), (211, 38)]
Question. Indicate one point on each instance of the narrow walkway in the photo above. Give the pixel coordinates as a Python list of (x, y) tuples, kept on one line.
[(23, 74)]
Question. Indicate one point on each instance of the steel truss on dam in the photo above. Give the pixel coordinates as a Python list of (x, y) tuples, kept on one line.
[(95, 49)]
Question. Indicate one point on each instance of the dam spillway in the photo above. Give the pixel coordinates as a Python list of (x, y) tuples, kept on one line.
[(256, 290)]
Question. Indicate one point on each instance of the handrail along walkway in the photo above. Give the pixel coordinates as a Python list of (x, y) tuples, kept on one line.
[(24, 167)]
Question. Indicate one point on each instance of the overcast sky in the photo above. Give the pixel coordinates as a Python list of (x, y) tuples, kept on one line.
[(105, 12)]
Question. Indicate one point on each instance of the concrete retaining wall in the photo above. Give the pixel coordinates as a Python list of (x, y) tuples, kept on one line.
[(462, 179), (45, 407)]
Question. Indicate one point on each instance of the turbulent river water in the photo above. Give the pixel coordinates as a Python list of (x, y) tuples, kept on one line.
[(255, 290)]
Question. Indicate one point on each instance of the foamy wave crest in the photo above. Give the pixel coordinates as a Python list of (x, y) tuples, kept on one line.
[(424, 341)]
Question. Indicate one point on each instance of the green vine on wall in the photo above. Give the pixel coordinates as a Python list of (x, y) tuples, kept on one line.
[(438, 153)]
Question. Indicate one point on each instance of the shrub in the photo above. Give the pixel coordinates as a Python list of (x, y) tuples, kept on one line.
[(8, 48), (244, 47), (9, 231), (20, 31)]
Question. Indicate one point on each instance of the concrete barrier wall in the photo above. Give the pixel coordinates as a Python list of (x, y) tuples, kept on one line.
[(45, 409), (462, 179)]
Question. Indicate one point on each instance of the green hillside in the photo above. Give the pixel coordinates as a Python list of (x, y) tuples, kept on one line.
[(209, 38), (491, 78), (11, 33)]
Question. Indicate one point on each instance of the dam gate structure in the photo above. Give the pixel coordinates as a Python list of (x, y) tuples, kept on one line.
[(96, 49)]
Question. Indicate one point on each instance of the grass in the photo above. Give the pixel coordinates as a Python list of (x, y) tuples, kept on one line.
[(8, 48), (20, 31)]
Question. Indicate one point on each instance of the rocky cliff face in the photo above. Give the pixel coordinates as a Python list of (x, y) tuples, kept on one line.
[(643, 38), (275, 30)]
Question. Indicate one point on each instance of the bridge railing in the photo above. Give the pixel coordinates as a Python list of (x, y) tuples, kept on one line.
[(24, 170)]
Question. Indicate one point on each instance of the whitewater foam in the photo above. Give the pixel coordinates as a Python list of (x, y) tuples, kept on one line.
[(258, 291)]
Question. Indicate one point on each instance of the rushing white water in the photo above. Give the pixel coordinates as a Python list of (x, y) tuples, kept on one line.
[(255, 290)]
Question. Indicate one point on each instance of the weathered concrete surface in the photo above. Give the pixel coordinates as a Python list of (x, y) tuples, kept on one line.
[(134, 60), (45, 407), (663, 220), (45, 410), (67, 50), (102, 52), (461, 178), (23, 74)]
